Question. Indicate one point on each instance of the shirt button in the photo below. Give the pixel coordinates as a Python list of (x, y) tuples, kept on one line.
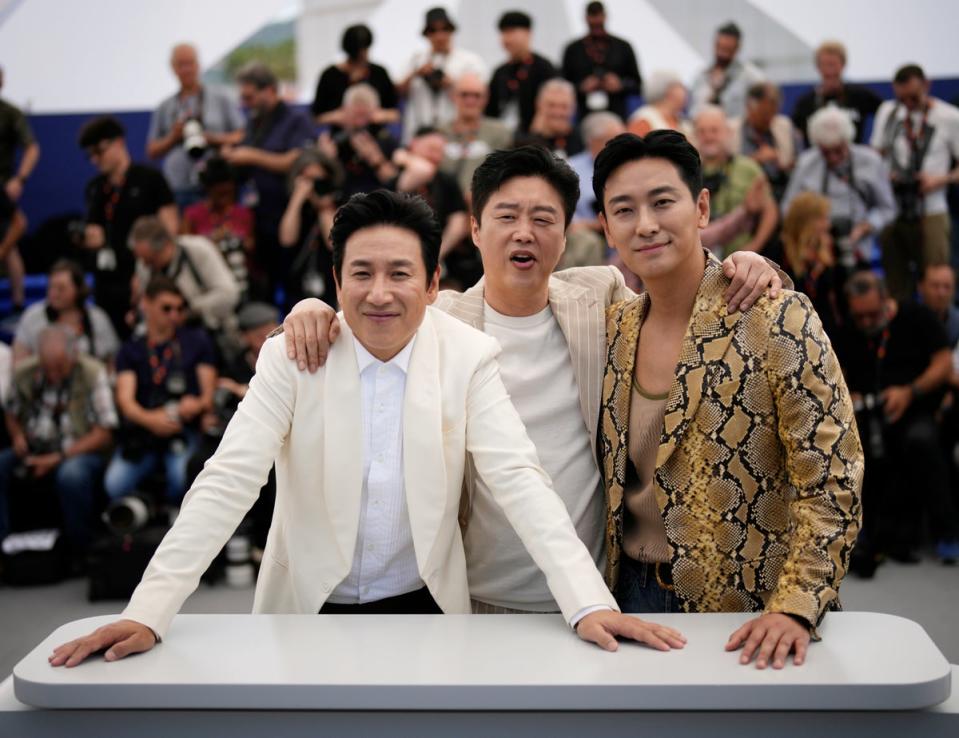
[(371, 547)]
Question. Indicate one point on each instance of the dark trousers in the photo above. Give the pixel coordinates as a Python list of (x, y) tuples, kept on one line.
[(420, 602), (639, 589)]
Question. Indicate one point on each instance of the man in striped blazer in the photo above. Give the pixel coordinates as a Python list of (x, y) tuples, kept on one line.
[(552, 331)]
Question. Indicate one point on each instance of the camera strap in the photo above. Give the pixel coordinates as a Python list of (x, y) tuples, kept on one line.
[(865, 196), (185, 260)]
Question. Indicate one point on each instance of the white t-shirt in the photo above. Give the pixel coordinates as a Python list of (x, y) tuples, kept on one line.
[(889, 137), (426, 107), (538, 373)]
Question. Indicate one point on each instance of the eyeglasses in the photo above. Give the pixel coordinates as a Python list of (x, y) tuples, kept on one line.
[(167, 309), (469, 94)]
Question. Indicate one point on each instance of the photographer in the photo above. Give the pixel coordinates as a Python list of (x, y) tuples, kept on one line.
[(897, 360), (194, 265), (918, 135), (852, 177), (190, 125), (431, 73), (59, 416), (315, 180), (222, 220), (165, 383), (363, 148)]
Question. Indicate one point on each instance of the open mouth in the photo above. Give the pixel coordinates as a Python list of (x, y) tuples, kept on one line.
[(522, 259)]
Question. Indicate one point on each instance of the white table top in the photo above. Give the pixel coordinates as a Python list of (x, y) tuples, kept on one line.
[(866, 661)]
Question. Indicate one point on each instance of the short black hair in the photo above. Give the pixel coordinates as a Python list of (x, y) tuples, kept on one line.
[(101, 128), (426, 131), (595, 8), (383, 207), (664, 144), (730, 29), (514, 19), (908, 72), (525, 161), (161, 284), (355, 39), (216, 170)]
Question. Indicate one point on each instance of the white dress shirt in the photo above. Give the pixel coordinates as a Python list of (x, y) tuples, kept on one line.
[(384, 561)]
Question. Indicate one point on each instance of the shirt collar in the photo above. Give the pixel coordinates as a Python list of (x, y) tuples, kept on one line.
[(401, 361)]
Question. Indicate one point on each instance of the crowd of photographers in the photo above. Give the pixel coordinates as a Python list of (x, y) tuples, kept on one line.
[(125, 388)]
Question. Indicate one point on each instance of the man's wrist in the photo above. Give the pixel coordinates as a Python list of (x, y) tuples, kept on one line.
[(915, 391)]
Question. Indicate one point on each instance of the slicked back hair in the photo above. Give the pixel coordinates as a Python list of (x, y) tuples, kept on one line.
[(386, 208)]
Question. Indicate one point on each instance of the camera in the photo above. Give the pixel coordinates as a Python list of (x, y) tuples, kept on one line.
[(435, 80), (128, 514), (871, 418), (839, 228), (323, 186), (905, 188), (193, 139)]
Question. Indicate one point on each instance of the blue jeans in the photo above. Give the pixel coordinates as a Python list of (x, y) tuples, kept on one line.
[(638, 591), (76, 481), (124, 475)]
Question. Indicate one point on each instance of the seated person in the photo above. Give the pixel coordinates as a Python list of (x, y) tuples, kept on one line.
[(370, 455), (60, 417), (362, 147), (315, 182), (66, 305), (730, 456), (222, 220), (165, 383), (766, 135), (193, 264), (554, 125)]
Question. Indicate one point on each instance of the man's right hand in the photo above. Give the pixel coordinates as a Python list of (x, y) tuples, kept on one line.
[(603, 626), (162, 425), (310, 329), (119, 639)]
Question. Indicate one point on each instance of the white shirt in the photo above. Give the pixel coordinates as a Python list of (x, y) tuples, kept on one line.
[(427, 108), (384, 561), (538, 374), (889, 137)]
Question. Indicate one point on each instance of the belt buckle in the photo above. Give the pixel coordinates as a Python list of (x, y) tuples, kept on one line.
[(659, 578)]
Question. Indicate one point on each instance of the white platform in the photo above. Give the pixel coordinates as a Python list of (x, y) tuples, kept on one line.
[(415, 675)]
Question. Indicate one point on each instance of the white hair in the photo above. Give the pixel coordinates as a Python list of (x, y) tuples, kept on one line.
[(658, 84), (595, 125), (557, 83), (830, 126), (361, 93), (709, 109)]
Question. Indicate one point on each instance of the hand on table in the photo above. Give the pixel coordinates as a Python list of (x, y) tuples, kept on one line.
[(120, 639), (602, 627), (772, 636)]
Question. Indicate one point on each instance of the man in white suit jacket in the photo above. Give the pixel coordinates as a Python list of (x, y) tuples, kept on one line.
[(319, 429), (552, 329)]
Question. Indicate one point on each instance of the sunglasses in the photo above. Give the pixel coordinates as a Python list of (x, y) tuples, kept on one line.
[(167, 309), (438, 29)]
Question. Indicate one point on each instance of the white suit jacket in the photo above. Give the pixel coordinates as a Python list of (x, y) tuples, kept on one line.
[(310, 425)]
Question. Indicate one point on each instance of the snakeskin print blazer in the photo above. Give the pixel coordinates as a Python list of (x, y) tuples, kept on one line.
[(759, 467)]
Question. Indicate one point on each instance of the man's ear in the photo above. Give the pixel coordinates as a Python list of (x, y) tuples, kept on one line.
[(474, 230), (602, 221), (433, 290), (702, 208)]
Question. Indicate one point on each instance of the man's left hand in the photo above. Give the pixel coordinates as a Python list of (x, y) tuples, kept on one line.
[(239, 156), (43, 464), (612, 82), (772, 636), (751, 275), (602, 626)]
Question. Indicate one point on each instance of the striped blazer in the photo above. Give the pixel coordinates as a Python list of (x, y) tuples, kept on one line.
[(579, 298)]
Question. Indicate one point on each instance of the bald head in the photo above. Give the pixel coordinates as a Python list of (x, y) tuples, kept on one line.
[(185, 63), (57, 352), (712, 132)]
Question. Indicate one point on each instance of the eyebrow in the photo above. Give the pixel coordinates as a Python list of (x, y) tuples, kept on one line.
[(534, 209), (392, 263)]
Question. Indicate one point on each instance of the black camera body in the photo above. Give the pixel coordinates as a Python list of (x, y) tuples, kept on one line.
[(905, 188), (434, 80)]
